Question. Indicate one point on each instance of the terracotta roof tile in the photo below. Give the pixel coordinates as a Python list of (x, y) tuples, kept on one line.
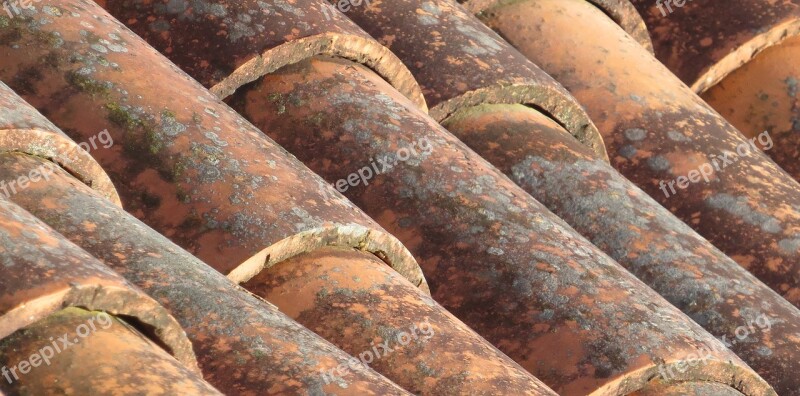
[(109, 357), (43, 273), (372, 313), (505, 375), (656, 130), (25, 130), (467, 260), (760, 100), (43, 278), (236, 42), (352, 111), (622, 12), (243, 344), (705, 40), (195, 170), (745, 68), (488, 249)]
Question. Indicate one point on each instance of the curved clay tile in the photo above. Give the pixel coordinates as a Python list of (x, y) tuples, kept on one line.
[(401, 332), (288, 100), (22, 129), (194, 169), (243, 344), (576, 195), (99, 354), (743, 56), (761, 96), (641, 235), (494, 257), (42, 273), (460, 63), (613, 213), (234, 42), (621, 11), (705, 40), (660, 135), (518, 82), (238, 145)]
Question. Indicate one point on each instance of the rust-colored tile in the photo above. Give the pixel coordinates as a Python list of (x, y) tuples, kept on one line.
[(621, 11), (705, 40), (638, 233), (762, 97), (367, 309), (42, 272), (225, 44), (656, 130), (604, 206), (23, 129), (460, 63), (745, 67), (494, 257), (99, 354), (193, 169), (244, 345), (513, 374)]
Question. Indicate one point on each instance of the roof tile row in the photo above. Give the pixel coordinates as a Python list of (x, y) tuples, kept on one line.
[(495, 257)]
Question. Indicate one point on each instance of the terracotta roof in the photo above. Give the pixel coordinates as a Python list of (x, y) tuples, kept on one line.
[(301, 361), (218, 317), (760, 99), (745, 69), (115, 358), (43, 278), (293, 91), (656, 130), (701, 50), (528, 219)]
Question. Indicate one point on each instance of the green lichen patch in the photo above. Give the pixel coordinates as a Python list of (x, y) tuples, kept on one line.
[(142, 136), (86, 84)]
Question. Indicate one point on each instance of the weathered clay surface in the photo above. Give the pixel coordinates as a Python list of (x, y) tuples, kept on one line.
[(495, 257), (23, 129), (227, 43), (762, 96), (244, 345), (705, 40), (100, 354), (460, 63), (640, 234), (41, 272), (193, 169), (367, 309), (687, 389), (657, 130), (621, 11)]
